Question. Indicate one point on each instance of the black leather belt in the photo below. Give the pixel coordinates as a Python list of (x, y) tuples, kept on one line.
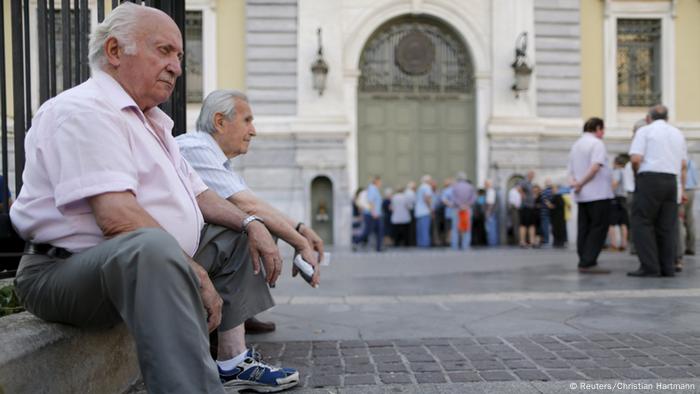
[(47, 250)]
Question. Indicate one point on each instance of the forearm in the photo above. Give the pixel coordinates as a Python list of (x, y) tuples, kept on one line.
[(590, 174), (119, 212), (278, 223), (217, 210)]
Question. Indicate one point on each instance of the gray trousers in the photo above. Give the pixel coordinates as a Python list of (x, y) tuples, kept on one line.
[(689, 223), (143, 279)]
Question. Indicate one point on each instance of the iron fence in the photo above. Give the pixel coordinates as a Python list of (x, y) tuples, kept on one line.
[(61, 54)]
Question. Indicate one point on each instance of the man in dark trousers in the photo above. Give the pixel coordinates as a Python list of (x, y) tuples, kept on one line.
[(659, 155), (590, 178)]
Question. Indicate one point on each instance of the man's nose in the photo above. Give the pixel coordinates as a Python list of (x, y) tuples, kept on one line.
[(253, 132), (175, 66)]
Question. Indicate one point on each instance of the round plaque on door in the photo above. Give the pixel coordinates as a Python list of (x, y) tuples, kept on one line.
[(415, 53)]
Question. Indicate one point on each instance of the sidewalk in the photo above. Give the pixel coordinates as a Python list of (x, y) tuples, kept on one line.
[(490, 320)]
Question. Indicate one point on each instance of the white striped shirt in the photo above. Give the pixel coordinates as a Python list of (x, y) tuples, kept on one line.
[(206, 157)]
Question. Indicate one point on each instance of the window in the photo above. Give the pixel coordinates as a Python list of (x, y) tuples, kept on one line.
[(638, 62), (194, 55)]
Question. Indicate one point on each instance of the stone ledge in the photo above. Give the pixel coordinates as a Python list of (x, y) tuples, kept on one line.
[(40, 357)]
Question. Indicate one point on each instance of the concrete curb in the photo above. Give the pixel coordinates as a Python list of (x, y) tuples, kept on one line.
[(40, 357)]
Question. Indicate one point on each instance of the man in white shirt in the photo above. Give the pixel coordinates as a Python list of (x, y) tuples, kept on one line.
[(423, 212), (659, 156), (591, 181), (515, 200)]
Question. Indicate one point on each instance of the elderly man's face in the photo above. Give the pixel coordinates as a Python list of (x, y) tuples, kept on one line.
[(149, 75), (235, 134)]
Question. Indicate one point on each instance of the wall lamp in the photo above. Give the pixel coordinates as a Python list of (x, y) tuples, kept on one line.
[(521, 68), (319, 68)]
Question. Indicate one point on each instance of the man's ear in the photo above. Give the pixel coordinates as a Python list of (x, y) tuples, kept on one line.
[(218, 121), (112, 51)]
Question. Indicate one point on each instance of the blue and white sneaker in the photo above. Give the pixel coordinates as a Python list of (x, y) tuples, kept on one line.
[(254, 374)]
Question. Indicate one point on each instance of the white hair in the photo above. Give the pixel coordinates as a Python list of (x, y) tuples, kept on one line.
[(221, 101), (121, 24)]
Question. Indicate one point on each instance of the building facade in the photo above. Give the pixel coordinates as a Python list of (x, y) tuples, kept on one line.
[(426, 86)]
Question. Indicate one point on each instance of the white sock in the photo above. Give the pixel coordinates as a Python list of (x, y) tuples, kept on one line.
[(230, 364)]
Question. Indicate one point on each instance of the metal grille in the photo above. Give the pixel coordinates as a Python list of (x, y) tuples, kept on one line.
[(638, 62), (415, 55)]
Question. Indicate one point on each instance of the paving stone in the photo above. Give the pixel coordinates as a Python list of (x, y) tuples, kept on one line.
[(571, 338), (408, 342), (611, 362), (425, 367), (675, 360), (519, 364), (326, 370), (498, 348), (659, 351), (464, 377), (480, 356), (358, 360), (600, 353), (670, 372), (585, 345), (379, 343), (327, 352), (541, 355), (597, 337), (462, 341), (412, 350), (456, 365), (489, 340), (531, 375), (553, 364), (646, 361), (353, 380), (635, 373), (382, 350), (544, 339), (630, 353), (572, 355), (353, 351), (612, 345), (359, 368), (395, 378), (331, 361), (391, 367), (581, 364), (510, 356), (325, 345), (496, 376), (564, 374), (600, 373), (386, 358), (430, 377), (436, 341), (686, 351), (694, 370), (469, 349), (444, 356), (414, 357), (556, 346), (323, 380), (487, 365), (518, 339), (352, 344), (295, 353)]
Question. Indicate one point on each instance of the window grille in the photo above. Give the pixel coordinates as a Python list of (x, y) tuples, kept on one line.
[(638, 62), (194, 53)]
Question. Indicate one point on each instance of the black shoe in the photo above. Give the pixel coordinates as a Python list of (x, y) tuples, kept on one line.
[(640, 273), (690, 252), (593, 270), (255, 326)]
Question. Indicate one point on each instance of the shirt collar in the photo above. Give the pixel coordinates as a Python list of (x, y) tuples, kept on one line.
[(218, 152), (121, 99)]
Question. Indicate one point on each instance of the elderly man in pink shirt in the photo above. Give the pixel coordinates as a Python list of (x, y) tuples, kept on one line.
[(120, 228)]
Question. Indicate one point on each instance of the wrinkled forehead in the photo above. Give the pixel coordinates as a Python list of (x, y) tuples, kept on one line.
[(155, 25)]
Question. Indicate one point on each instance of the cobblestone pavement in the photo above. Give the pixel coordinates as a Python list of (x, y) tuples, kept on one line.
[(571, 358)]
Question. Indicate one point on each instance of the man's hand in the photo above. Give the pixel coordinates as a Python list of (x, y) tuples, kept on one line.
[(310, 257), (210, 297), (314, 240), (262, 246)]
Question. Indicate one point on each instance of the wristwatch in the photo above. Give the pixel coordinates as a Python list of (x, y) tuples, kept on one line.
[(249, 219)]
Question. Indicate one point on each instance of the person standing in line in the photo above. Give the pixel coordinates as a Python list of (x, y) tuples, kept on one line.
[(386, 215), (691, 183), (618, 213), (659, 156), (515, 200), (491, 216), (411, 198), (528, 214), (446, 197), (375, 223), (546, 204), (558, 216), (357, 219), (401, 217), (463, 196), (590, 178), (423, 212), (629, 182)]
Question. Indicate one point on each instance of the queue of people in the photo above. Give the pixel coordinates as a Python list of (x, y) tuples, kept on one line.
[(423, 215)]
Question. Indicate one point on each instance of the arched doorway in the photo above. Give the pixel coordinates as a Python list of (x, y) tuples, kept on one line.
[(322, 208), (416, 107)]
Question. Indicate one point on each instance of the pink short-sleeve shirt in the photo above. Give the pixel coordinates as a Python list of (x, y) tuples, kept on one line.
[(93, 139)]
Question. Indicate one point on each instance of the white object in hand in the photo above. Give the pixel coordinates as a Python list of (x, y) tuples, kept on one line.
[(307, 270)]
